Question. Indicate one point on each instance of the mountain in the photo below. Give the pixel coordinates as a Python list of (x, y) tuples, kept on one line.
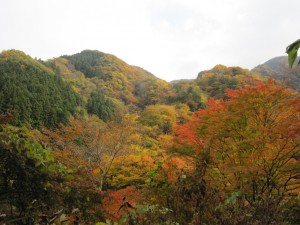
[(215, 81), (99, 83), (220, 70), (89, 81), (278, 68), (91, 70), (275, 67)]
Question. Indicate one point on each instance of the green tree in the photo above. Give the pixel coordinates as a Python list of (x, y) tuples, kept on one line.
[(102, 106), (28, 174)]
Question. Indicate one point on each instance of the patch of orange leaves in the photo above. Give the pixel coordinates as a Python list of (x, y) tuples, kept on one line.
[(113, 201)]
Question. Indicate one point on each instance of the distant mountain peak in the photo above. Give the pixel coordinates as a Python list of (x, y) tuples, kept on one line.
[(278, 68)]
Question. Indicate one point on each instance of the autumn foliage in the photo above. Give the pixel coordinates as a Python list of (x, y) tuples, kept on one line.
[(115, 145), (248, 149)]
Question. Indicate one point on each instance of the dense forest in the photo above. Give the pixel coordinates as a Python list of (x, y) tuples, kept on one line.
[(89, 139)]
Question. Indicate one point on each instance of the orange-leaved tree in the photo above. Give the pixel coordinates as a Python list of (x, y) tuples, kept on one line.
[(94, 144), (247, 149)]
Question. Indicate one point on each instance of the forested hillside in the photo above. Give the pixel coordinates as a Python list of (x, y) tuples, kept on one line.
[(278, 68), (34, 93), (96, 71), (89, 139)]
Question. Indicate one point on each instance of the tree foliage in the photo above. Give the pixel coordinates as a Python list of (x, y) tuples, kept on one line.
[(162, 117), (215, 81), (292, 51), (187, 92), (78, 80), (247, 147), (28, 174), (133, 85), (34, 93), (234, 159), (102, 106)]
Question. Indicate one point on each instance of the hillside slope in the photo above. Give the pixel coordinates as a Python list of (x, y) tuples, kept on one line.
[(33, 92), (278, 68), (91, 71)]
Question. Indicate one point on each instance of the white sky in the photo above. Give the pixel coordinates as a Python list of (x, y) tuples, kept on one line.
[(173, 39)]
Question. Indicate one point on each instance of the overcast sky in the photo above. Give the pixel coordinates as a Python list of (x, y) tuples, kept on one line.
[(173, 39)]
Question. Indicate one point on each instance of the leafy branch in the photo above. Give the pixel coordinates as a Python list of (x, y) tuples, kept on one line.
[(292, 51)]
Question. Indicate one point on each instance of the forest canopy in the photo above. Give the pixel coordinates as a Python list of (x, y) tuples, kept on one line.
[(34, 93)]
